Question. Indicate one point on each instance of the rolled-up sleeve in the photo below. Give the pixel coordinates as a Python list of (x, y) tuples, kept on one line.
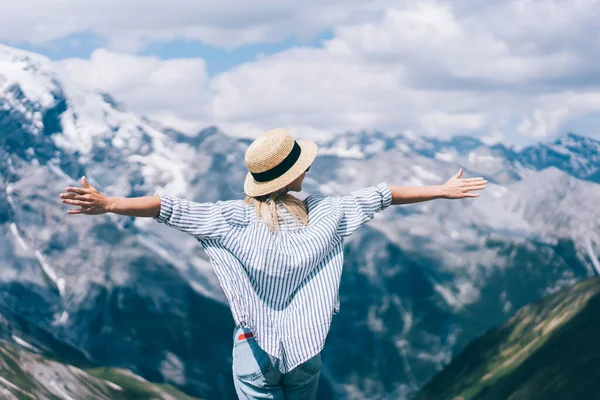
[(201, 220), (360, 207)]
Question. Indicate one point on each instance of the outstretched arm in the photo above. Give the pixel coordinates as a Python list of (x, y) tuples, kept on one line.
[(454, 188), (92, 202), (201, 220)]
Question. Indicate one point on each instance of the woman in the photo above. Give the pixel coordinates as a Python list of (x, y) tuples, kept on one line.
[(278, 259)]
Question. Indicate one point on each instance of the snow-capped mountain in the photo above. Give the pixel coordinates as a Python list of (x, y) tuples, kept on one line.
[(420, 281), (579, 155), (101, 284)]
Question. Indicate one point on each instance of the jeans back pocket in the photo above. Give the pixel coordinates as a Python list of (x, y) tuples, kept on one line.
[(311, 366), (249, 360)]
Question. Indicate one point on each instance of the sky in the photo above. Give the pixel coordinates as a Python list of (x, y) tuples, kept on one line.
[(514, 71)]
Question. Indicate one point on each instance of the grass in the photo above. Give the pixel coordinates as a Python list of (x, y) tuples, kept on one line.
[(137, 387), (531, 353), (19, 368)]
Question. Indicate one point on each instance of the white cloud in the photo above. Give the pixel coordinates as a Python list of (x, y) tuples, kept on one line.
[(130, 24), (542, 122), (516, 67), (443, 123), (433, 40), (170, 91)]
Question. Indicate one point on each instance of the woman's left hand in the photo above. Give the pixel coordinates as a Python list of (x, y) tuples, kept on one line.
[(457, 188)]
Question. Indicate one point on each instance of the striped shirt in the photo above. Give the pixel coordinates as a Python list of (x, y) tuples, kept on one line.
[(283, 285)]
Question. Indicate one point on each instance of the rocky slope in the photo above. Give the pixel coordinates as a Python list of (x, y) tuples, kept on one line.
[(34, 364), (24, 375), (547, 350)]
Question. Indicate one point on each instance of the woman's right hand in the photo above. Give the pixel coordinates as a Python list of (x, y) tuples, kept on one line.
[(457, 188), (88, 198)]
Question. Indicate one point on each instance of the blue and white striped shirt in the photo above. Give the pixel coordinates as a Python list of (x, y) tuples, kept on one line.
[(283, 285)]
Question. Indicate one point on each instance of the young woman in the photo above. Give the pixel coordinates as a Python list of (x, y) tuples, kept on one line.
[(278, 259)]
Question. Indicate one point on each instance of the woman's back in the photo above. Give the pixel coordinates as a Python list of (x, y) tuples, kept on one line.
[(282, 284)]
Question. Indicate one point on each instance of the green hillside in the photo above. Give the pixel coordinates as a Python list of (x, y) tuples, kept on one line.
[(547, 350), (25, 375)]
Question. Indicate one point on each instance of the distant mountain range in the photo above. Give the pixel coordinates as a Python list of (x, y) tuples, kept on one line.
[(547, 350), (419, 282)]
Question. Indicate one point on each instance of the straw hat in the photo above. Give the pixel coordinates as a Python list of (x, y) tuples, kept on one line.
[(275, 160)]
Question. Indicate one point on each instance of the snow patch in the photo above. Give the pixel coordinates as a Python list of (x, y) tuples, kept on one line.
[(448, 296), (407, 316), (560, 150), (402, 147), (593, 257), (31, 72), (467, 292), (15, 232), (11, 168), (50, 273), (506, 304), (24, 344), (11, 202), (60, 319), (375, 147), (118, 142), (9, 385), (59, 390), (63, 317), (374, 321), (403, 346), (481, 160), (113, 386), (201, 289), (173, 369), (343, 149)]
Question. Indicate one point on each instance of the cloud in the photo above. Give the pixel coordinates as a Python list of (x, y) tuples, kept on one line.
[(516, 70), (173, 91), (435, 41), (129, 25)]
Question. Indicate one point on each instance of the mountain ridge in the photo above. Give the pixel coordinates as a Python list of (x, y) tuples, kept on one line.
[(537, 354)]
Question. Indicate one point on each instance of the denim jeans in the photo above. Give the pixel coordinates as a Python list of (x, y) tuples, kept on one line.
[(257, 376)]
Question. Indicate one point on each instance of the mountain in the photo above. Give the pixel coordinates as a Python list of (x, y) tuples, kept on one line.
[(101, 284), (28, 375), (547, 350), (447, 273), (577, 154), (35, 364), (420, 281)]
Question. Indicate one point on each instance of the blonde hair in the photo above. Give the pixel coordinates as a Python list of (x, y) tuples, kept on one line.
[(266, 208)]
